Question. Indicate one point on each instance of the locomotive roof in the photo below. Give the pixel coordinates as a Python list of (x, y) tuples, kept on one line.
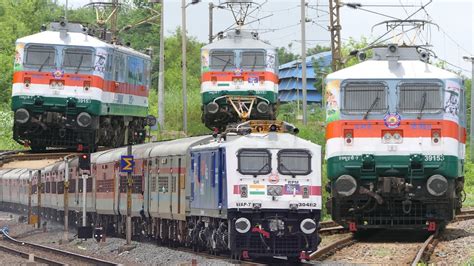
[(13, 174), (74, 39), (244, 40), (262, 140), (379, 69)]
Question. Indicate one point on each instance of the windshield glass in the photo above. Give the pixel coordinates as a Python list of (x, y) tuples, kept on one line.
[(294, 162), (253, 60), (420, 97), (40, 56), (222, 60), (79, 58), (254, 161), (364, 97)]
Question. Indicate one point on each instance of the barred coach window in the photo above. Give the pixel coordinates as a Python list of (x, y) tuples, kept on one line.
[(40, 56), (294, 162), (254, 161), (360, 97)]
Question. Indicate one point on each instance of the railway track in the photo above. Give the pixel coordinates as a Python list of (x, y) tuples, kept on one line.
[(424, 253), (48, 255), (326, 251)]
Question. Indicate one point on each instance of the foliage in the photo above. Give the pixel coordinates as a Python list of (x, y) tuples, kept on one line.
[(285, 56)]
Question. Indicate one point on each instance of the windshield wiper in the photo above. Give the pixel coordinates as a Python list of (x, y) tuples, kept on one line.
[(287, 170), (371, 107), (254, 62), (80, 64), (423, 102), (44, 63), (226, 63)]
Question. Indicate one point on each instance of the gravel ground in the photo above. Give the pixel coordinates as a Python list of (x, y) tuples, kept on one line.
[(456, 246), (143, 254)]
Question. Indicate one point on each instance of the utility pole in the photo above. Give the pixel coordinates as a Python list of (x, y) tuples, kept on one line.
[(184, 67), (471, 137), (66, 197), (161, 75), (38, 189), (303, 60), (211, 6), (30, 178), (129, 189), (335, 28), (84, 199)]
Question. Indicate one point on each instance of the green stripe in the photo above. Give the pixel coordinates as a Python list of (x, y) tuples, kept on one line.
[(94, 107), (393, 165), (209, 96), (257, 192)]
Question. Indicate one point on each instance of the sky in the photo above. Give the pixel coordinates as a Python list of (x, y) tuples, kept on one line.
[(278, 21)]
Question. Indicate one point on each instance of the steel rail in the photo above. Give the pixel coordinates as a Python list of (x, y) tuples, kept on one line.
[(423, 252), (26, 255), (80, 257), (333, 247)]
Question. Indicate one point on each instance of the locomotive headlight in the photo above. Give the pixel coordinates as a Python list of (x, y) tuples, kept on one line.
[(22, 115), (437, 185), (274, 190), (242, 225), (345, 185), (387, 137), (308, 226), (243, 191), (84, 119), (397, 137)]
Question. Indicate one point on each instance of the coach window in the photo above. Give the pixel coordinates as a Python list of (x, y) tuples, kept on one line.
[(254, 161), (222, 60), (253, 60), (294, 162), (40, 56), (364, 97), (420, 97), (78, 58)]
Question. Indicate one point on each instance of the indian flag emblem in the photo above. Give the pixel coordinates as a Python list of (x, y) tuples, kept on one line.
[(256, 189)]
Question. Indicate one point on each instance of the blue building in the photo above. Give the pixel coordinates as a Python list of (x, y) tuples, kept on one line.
[(290, 79)]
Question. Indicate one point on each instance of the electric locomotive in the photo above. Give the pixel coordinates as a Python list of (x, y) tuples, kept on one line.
[(71, 89), (395, 142), (239, 80)]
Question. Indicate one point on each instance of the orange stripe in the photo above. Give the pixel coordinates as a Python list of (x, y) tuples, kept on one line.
[(229, 76), (78, 80), (409, 128)]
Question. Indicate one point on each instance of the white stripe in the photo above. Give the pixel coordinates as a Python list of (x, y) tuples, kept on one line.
[(93, 93), (210, 86), (359, 146)]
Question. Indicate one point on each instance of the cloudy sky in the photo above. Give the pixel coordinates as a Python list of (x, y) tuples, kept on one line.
[(278, 22)]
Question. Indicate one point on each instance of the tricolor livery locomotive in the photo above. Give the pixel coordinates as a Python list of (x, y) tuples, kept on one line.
[(395, 142), (71, 89), (239, 80)]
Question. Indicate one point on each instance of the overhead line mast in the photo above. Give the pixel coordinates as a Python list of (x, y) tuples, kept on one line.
[(335, 28)]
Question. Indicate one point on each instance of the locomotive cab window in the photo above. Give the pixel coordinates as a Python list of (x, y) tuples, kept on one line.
[(420, 97), (294, 162), (360, 97), (40, 56), (78, 58), (254, 161), (253, 60), (222, 60)]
